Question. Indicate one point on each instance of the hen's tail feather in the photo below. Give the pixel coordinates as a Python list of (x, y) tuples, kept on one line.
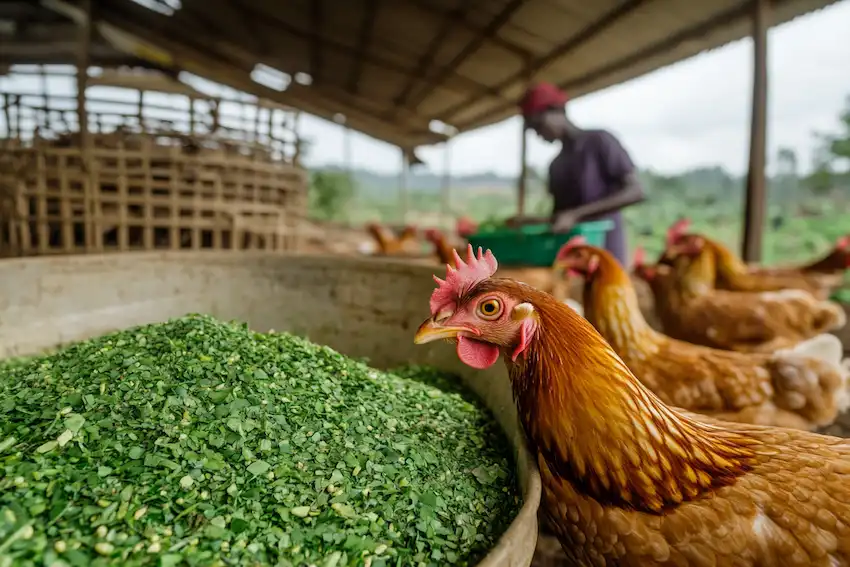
[(826, 347), (813, 379)]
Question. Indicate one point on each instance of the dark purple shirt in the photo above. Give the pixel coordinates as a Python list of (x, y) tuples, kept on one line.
[(592, 168)]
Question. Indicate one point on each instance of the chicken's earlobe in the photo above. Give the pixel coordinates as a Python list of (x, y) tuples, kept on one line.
[(524, 312), (592, 264)]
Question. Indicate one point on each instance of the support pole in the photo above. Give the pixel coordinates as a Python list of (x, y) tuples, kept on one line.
[(445, 189), (756, 198), (346, 149), (523, 170), (404, 196)]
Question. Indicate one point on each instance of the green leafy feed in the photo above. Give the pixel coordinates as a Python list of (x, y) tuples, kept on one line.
[(197, 442)]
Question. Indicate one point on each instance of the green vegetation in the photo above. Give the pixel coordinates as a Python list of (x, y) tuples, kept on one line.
[(806, 212), (197, 442)]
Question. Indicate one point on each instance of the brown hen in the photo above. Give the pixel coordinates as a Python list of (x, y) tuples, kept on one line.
[(628, 480), (391, 245), (788, 388), (819, 278), (735, 320)]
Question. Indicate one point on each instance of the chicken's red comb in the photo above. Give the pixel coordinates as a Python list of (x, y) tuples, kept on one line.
[(639, 257), (843, 243), (460, 279), (573, 242), (677, 229)]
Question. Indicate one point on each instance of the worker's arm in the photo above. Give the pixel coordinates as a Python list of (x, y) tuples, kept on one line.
[(627, 192)]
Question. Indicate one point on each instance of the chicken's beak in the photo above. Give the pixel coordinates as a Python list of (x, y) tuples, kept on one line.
[(430, 331), (565, 270)]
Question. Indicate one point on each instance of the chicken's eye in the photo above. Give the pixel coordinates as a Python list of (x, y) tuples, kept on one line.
[(490, 308)]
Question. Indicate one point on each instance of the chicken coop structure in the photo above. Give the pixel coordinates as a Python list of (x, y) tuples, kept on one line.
[(410, 73), (157, 164)]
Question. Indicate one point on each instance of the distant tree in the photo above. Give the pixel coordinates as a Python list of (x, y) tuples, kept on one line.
[(822, 177), (786, 162), (839, 144), (832, 155), (330, 191), (784, 187)]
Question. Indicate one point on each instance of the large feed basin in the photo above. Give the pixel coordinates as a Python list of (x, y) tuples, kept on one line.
[(360, 307)]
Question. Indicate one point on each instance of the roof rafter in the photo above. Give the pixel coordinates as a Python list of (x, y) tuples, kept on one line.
[(367, 25), (448, 23), (208, 62), (492, 29), (317, 16), (463, 21), (667, 44), (583, 36), (460, 81), (243, 22)]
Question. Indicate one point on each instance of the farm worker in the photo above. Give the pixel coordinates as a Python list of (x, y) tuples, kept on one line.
[(592, 178)]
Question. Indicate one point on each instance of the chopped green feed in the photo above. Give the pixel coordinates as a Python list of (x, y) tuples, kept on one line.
[(197, 442)]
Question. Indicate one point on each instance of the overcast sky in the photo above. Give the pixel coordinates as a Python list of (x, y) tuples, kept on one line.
[(694, 113)]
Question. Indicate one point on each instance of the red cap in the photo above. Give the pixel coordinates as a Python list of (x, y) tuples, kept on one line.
[(540, 97)]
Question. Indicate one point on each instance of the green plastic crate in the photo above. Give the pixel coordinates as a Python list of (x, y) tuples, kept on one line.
[(536, 245)]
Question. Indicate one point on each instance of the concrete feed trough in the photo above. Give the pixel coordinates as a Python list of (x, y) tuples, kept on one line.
[(367, 308)]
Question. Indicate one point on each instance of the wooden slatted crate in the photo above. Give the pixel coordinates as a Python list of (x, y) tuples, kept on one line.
[(145, 197), (146, 175)]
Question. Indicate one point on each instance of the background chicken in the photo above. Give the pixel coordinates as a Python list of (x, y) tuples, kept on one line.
[(819, 278), (466, 227), (734, 320), (387, 242), (659, 277), (789, 388), (628, 480)]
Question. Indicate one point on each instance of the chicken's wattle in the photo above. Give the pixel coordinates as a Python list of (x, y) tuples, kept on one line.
[(477, 354)]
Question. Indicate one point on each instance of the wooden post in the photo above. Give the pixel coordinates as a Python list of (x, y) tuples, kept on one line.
[(296, 129), (346, 152), (756, 198), (523, 170), (404, 197), (445, 189), (191, 116)]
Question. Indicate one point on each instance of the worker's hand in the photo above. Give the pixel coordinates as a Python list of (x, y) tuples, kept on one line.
[(564, 221)]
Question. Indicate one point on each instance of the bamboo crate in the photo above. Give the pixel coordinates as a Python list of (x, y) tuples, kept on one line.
[(147, 197), (149, 177)]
